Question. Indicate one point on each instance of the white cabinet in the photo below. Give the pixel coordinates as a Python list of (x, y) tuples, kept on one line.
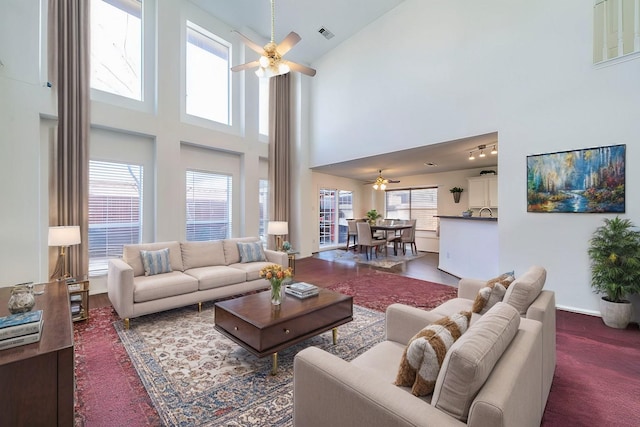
[(483, 191)]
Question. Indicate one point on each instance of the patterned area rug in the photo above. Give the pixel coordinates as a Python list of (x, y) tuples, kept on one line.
[(381, 261), (196, 376)]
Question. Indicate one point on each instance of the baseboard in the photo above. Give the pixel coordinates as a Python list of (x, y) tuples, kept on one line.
[(578, 310)]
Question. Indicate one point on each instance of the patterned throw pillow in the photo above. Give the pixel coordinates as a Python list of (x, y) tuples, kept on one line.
[(156, 262), (425, 352), (492, 293), (251, 252)]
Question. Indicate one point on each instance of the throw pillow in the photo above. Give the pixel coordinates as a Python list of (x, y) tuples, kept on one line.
[(492, 293), (426, 350), (156, 262), (251, 252)]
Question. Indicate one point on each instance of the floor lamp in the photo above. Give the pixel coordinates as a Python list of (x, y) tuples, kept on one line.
[(278, 229), (63, 237)]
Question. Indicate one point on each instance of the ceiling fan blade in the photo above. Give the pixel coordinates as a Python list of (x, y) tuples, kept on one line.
[(246, 66), (393, 181), (253, 46), (290, 41), (301, 68)]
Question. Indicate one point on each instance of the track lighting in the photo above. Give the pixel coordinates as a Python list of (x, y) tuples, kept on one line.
[(481, 149)]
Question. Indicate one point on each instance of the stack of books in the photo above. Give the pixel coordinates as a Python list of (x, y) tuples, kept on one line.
[(302, 290), (21, 328)]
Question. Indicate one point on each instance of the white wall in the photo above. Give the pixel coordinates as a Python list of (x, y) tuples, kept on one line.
[(439, 70)]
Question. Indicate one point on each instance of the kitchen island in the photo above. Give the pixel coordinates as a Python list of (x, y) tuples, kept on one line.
[(469, 246)]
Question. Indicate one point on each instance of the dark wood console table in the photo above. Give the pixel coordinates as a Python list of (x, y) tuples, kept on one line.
[(37, 379)]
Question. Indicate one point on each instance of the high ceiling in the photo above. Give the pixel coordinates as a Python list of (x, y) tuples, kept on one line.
[(343, 19)]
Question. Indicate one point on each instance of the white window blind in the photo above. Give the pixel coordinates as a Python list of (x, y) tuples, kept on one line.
[(208, 79), (420, 204), (263, 200), (115, 211), (116, 47), (209, 202)]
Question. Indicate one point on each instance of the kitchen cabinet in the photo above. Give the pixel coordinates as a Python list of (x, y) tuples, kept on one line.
[(483, 191)]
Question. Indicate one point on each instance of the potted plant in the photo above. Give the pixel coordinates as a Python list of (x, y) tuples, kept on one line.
[(372, 216), (614, 252), (468, 213), (456, 191)]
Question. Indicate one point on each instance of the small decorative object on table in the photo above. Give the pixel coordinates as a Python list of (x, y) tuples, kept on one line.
[(468, 213), (276, 275), (22, 299), (372, 216), (286, 246)]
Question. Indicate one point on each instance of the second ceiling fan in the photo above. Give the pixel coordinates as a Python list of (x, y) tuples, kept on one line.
[(381, 183), (271, 63)]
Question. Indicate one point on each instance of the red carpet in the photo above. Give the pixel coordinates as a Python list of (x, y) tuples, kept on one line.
[(378, 290), (597, 380), (108, 389)]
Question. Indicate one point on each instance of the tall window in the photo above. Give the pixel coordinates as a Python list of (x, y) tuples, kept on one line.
[(336, 206), (616, 29), (420, 204), (264, 209), (116, 47), (208, 76), (208, 206), (115, 211)]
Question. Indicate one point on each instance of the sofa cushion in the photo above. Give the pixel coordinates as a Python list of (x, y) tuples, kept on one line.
[(131, 255), (202, 254), (471, 359), (251, 252), (156, 262), (425, 353), (231, 254), (216, 276), (149, 288), (492, 293), (525, 289), (251, 269)]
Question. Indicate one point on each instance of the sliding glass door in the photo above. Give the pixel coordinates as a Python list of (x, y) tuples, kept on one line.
[(336, 206)]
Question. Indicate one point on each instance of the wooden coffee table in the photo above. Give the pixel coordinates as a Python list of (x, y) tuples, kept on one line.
[(264, 329)]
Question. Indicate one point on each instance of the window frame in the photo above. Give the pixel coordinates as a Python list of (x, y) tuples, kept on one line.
[(419, 224)]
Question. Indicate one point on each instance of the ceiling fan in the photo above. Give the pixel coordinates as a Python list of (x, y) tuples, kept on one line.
[(271, 63), (381, 182)]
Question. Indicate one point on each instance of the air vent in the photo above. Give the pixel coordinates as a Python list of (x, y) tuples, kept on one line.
[(326, 33)]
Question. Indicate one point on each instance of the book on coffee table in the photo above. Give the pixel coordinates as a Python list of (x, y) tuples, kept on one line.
[(302, 290), (20, 324)]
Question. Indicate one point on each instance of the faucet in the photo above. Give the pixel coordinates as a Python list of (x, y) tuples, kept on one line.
[(487, 208)]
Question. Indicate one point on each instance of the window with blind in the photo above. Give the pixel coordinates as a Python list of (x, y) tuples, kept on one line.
[(115, 211), (420, 204), (116, 47), (263, 200), (208, 80), (209, 201)]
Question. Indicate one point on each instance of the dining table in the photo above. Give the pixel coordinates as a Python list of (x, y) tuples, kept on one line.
[(391, 227)]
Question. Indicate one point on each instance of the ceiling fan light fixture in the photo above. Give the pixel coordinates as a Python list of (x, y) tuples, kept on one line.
[(481, 154), (383, 186), (494, 151), (471, 156), (375, 186)]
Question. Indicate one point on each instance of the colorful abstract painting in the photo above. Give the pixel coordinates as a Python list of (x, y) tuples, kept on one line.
[(588, 180)]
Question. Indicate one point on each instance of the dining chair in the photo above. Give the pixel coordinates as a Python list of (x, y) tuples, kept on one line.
[(409, 236), (352, 230), (366, 239)]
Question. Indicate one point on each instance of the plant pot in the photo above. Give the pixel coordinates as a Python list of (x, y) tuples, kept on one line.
[(615, 314), (456, 197)]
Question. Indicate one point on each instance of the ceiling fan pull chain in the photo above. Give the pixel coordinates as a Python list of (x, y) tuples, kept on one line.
[(273, 20)]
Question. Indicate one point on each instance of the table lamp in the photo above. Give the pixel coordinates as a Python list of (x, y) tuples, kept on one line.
[(278, 229), (62, 237)]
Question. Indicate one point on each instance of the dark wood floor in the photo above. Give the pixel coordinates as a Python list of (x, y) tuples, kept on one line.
[(326, 273)]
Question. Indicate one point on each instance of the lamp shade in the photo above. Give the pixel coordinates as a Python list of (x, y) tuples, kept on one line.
[(278, 228), (64, 235)]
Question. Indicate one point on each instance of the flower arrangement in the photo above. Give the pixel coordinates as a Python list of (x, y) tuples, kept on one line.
[(276, 275)]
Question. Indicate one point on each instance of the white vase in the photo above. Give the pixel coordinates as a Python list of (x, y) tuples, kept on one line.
[(616, 314)]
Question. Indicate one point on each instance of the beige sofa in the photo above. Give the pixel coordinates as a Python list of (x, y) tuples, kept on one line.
[(202, 271), (497, 374)]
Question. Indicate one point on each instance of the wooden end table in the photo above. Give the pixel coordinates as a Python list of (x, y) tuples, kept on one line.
[(264, 329)]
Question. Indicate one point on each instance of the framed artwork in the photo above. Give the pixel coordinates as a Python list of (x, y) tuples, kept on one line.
[(588, 180)]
